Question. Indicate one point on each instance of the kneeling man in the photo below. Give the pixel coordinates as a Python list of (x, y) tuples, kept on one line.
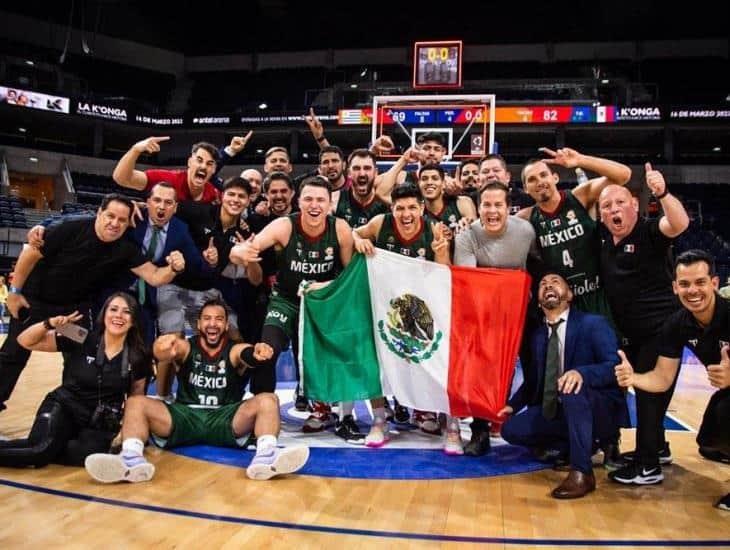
[(570, 393)]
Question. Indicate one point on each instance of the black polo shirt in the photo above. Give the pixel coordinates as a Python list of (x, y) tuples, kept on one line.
[(76, 263), (682, 329), (81, 372), (636, 275)]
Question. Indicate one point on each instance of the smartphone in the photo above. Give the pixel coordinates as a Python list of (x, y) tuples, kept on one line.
[(73, 332)]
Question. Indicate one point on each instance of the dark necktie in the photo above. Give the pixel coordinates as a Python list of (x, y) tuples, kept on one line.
[(552, 371), (150, 255)]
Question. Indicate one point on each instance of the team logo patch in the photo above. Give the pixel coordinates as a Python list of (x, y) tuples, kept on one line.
[(629, 248), (329, 253), (572, 218), (555, 223), (410, 331)]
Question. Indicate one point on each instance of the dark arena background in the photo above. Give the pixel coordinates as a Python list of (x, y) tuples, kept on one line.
[(81, 81)]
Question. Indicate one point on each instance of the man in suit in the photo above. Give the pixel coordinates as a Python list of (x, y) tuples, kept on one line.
[(159, 232), (569, 394)]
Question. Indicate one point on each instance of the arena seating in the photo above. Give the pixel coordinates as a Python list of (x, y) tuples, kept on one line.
[(11, 213)]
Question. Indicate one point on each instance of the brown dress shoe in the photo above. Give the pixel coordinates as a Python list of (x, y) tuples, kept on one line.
[(576, 485)]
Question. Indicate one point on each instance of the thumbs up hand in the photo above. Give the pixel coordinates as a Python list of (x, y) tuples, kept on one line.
[(655, 180), (210, 254), (719, 374), (624, 371)]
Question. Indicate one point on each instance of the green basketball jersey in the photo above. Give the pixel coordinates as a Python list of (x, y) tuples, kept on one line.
[(417, 247), (307, 258), (449, 214), (208, 382), (357, 214), (569, 243)]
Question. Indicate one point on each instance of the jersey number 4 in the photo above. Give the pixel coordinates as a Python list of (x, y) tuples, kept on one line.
[(567, 260)]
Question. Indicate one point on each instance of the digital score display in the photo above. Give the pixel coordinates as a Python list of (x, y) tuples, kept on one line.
[(437, 65)]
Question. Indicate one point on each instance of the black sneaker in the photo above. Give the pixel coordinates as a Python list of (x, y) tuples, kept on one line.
[(665, 455), (724, 503), (401, 414), (479, 444), (612, 459), (301, 403), (636, 474), (349, 431)]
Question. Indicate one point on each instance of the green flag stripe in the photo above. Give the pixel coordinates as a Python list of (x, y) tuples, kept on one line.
[(336, 347)]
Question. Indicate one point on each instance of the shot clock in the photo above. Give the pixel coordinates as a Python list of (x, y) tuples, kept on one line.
[(437, 64)]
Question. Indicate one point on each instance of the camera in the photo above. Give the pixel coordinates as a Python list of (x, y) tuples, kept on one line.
[(106, 417)]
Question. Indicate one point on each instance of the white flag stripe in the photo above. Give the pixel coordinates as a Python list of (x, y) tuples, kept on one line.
[(421, 385)]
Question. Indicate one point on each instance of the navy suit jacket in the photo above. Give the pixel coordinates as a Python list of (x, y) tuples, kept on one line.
[(178, 238), (590, 348)]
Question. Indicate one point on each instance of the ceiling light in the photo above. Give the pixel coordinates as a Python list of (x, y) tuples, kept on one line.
[(727, 98), (22, 130), (263, 106), (353, 85), (605, 81), (260, 151), (33, 159), (716, 149), (363, 73), (29, 62)]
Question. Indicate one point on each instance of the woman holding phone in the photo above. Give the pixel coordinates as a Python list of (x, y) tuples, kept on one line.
[(101, 368)]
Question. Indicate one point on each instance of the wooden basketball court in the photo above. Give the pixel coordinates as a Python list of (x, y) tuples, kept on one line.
[(198, 504)]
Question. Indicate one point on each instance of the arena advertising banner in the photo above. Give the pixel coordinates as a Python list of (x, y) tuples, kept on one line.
[(638, 113), (699, 113), (100, 110), (34, 100)]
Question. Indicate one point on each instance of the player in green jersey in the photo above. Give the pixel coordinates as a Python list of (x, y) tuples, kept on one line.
[(566, 233), (208, 410)]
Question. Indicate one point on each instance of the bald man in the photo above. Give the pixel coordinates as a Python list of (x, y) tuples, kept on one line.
[(636, 273)]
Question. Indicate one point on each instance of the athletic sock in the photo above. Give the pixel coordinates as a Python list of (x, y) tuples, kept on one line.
[(133, 451), (379, 415), (265, 444), (452, 423)]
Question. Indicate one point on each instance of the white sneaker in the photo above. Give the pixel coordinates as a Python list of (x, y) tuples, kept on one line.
[(109, 468), (453, 444), (278, 462), (378, 436)]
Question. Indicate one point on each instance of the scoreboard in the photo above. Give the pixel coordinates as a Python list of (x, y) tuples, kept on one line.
[(550, 114)]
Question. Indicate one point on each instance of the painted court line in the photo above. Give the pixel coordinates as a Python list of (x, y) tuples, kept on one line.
[(359, 532)]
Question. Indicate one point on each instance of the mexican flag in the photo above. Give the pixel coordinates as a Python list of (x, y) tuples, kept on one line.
[(439, 338)]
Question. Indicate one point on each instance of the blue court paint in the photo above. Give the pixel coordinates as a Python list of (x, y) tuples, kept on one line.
[(387, 463), (359, 532)]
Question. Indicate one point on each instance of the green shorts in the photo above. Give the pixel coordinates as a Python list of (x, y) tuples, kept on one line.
[(284, 314), (191, 426)]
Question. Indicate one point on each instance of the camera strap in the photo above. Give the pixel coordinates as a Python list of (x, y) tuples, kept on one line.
[(126, 368)]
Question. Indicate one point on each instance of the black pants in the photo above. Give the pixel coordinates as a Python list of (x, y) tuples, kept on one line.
[(59, 435), (263, 377), (14, 357), (650, 407), (714, 432)]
